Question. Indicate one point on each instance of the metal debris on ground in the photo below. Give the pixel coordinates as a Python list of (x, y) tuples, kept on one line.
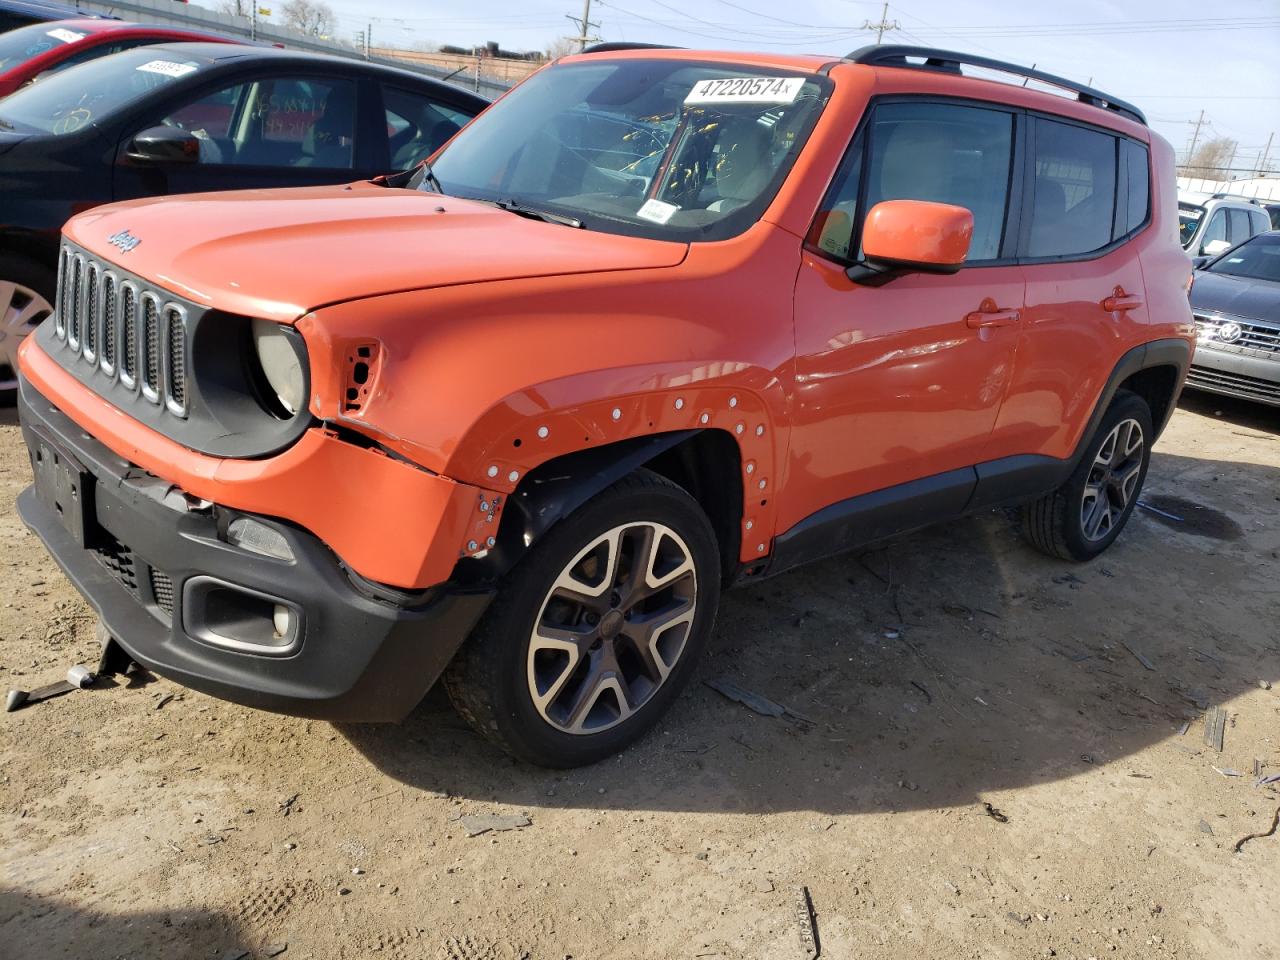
[(994, 814), (1275, 821), (1264, 781), (235, 953), (78, 678), (1162, 513), (1264, 684), (1215, 728), (927, 695), (476, 824), (752, 701), (806, 925), (1203, 827), (1182, 731), (1137, 656), (1257, 768), (274, 949), (1228, 772)]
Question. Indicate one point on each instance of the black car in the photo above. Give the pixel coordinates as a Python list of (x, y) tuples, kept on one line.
[(1236, 303), (20, 13), (188, 117)]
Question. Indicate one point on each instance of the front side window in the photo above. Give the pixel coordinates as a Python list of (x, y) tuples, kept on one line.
[(67, 102), (924, 151), (417, 126), (1216, 229), (280, 122), (1074, 190), (667, 149)]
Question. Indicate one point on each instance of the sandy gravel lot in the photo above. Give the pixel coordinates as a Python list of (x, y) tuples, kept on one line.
[(950, 671)]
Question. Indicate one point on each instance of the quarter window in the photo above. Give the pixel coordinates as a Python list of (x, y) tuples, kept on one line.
[(416, 126), (1074, 192), (1138, 171), (925, 151)]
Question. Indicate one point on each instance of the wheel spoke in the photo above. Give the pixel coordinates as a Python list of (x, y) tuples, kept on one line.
[(647, 630), (601, 676), (594, 595), (1098, 516), (643, 540), (1127, 482)]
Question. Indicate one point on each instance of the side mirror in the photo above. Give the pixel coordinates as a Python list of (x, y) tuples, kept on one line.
[(913, 236), (1198, 263), (1215, 247), (164, 145)]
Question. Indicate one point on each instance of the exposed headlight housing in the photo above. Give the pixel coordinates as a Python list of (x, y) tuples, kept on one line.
[(281, 366)]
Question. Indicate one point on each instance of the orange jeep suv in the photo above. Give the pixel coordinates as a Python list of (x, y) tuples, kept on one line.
[(657, 323)]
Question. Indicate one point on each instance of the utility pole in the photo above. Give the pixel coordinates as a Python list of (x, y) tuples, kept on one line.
[(1191, 152), (584, 26), (1262, 164), (253, 20), (884, 24), (368, 34)]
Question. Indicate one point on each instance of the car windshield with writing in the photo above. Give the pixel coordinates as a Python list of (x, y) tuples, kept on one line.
[(19, 46), (1256, 259), (1189, 215), (667, 149), (70, 101)]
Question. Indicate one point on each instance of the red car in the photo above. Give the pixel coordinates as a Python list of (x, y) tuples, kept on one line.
[(41, 48)]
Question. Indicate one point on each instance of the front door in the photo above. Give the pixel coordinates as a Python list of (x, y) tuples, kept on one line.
[(903, 382)]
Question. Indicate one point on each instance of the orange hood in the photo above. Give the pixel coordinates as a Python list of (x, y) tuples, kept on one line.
[(277, 254)]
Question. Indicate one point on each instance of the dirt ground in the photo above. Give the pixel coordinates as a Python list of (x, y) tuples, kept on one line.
[(982, 766)]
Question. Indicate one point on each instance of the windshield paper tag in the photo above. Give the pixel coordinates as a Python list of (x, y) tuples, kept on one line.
[(66, 36), (656, 211), (167, 68), (746, 90)]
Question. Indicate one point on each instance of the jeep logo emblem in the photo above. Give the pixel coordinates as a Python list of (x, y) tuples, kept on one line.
[(125, 240)]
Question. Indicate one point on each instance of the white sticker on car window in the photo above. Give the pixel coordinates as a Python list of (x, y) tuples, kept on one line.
[(746, 90), (656, 211), (66, 36), (167, 68)]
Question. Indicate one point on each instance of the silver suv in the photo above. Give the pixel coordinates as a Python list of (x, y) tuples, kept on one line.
[(1210, 224)]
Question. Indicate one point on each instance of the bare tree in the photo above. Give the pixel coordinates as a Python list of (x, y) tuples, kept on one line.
[(1212, 159), (236, 8), (561, 47), (312, 17)]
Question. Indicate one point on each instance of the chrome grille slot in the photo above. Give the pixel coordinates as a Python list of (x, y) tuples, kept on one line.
[(151, 345), (109, 315), (134, 338), (175, 339), (76, 298), (93, 274), (129, 334)]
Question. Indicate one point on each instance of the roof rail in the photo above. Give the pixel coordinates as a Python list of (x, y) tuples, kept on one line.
[(623, 45), (895, 55)]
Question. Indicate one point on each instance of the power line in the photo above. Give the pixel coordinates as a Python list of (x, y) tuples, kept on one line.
[(884, 24), (584, 26)]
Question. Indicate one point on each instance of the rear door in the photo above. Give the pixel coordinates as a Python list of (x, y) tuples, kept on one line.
[(1088, 194), (283, 128)]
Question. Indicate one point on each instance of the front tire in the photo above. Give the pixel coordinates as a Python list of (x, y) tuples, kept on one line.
[(1083, 517), (596, 630)]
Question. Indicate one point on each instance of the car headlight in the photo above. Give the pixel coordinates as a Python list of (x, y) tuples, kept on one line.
[(281, 365)]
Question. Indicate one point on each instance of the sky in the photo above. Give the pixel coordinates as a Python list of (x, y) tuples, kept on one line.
[(1172, 58)]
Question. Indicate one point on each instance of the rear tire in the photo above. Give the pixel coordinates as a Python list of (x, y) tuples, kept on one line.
[(596, 630), (27, 291), (1083, 517)]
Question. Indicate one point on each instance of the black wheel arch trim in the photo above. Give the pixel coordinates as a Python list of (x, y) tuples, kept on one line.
[(552, 491)]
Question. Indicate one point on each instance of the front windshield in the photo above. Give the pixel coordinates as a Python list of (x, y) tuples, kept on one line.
[(668, 149), (66, 102), (1188, 219), (19, 46), (1258, 259)]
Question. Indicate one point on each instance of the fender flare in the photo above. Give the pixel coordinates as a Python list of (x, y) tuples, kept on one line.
[(553, 490)]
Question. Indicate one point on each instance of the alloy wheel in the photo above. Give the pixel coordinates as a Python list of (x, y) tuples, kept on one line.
[(612, 627), (1112, 481), (21, 310)]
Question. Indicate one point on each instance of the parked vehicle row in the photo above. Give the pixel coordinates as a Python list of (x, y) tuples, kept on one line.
[(657, 323), (1210, 224), (166, 119)]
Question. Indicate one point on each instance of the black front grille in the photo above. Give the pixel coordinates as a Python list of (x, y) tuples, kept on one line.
[(145, 326), (118, 560), (162, 590)]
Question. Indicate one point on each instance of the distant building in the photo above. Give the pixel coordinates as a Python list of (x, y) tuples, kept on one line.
[(1264, 188)]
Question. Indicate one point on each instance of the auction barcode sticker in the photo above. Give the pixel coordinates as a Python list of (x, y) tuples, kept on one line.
[(746, 90), (66, 36), (167, 68)]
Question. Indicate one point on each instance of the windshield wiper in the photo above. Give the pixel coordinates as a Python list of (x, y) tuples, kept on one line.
[(514, 206), (429, 177)]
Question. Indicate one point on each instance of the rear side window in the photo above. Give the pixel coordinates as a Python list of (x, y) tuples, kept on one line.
[(924, 151), (1261, 222), (1240, 225), (1074, 191), (1137, 166)]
